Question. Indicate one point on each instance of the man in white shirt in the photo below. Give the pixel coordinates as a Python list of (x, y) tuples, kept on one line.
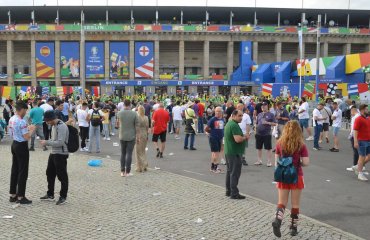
[(245, 125), (337, 124), (120, 106), (355, 114), (304, 117), (84, 125), (177, 118), (95, 116), (318, 121)]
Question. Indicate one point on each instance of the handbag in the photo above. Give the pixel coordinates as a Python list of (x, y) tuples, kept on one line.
[(285, 171)]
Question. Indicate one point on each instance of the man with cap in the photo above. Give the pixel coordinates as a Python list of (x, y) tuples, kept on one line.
[(20, 133), (190, 129), (57, 163)]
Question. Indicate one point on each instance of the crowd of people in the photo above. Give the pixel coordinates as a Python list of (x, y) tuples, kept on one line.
[(228, 122)]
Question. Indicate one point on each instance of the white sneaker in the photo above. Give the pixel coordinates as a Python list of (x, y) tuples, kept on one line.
[(223, 162), (86, 149), (112, 134), (310, 138), (355, 169), (82, 150), (363, 168), (129, 175), (108, 139), (350, 169), (104, 138), (361, 177)]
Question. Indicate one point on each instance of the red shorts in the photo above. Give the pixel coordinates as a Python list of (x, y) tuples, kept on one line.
[(298, 185)]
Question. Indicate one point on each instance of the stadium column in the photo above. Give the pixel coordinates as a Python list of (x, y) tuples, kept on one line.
[(58, 82), (347, 49), (230, 59), (278, 51), (132, 59), (82, 63), (255, 52), (9, 62), (33, 63), (206, 59), (325, 49), (181, 59), (156, 60), (106, 60)]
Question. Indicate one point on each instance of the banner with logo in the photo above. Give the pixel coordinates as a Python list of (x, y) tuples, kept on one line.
[(45, 60), (69, 60), (94, 59), (144, 60), (119, 60)]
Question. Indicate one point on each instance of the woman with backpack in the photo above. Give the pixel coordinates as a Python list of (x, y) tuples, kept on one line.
[(290, 144)]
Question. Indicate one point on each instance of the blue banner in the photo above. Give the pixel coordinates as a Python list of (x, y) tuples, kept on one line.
[(45, 60), (94, 59), (119, 60), (144, 60), (174, 83), (69, 60)]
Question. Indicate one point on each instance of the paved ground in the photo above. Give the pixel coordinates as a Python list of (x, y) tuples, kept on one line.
[(332, 194), (154, 205)]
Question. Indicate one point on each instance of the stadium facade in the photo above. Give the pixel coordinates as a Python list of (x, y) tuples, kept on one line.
[(173, 49)]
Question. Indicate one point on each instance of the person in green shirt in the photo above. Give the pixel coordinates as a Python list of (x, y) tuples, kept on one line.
[(235, 143)]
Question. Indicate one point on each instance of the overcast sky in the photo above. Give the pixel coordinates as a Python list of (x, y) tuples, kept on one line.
[(319, 4)]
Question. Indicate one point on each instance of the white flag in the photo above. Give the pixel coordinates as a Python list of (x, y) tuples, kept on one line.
[(300, 40)]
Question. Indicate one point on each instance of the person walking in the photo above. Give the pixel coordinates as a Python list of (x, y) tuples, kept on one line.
[(159, 122), (112, 117), (57, 162), (143, 126), (95, 116), (128, 124), (37, 116), (190, 129), (290, 144), (282, 117), (215, 132), (354, 115), (48, 106), (263, 134), (234, 149), (304, 117), (337, 124), (20, 134), (318, 121), (327, 113), (201, 110), (82, 118), (361, 141), (177, 119)]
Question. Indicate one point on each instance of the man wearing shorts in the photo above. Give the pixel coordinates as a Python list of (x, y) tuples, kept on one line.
[(215, 132), (303, 117), (159, 122), (177, 119), (337, 124), (263, 134), (361, 139)]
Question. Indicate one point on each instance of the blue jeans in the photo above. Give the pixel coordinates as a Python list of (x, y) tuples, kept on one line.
[(318, 130), (94, 134), (200, 125), (106, 130), (113, 125), (192, 139)]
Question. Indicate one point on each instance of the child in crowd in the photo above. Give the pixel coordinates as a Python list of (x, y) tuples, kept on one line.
[(106, 124)]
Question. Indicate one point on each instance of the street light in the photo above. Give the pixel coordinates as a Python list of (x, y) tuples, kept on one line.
[(83, 84)]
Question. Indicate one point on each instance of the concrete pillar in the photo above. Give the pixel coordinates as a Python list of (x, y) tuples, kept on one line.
[(181, 59), (255, 52), (213, 90), (230, 59), (58, 81), (171, 90), (106, 60), (82, 64), (193, 89), (206, 59), (9, 62), (33, 63), (132, 60), (235, 90), (325, 49), (278, 47), (156, 60), (347, 49)]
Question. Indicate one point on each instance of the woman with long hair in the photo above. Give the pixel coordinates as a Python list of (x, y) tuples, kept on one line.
[(141, 160), (290, 144)]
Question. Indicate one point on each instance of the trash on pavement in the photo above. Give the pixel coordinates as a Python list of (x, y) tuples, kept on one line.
[(157, 194), (171, 154), (95, 163), (157, 168), (115, 144), (8, 217), (199, 220)]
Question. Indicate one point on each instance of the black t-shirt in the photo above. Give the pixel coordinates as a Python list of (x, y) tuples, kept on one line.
[(112, 113), (228, 112), (258, 108)]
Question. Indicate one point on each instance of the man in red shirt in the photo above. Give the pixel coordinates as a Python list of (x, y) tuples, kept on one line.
[(361, 140), (159, 122), (200, 117)]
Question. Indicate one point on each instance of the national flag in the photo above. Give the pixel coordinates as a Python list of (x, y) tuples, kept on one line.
[(258, 29), (352, 89), (267, 89), (364, 91), (309, 90)]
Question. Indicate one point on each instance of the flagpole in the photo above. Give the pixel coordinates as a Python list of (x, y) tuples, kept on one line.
[(300, 36), (318, 57)]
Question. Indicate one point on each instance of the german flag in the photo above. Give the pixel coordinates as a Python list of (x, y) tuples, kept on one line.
[(44, 71)]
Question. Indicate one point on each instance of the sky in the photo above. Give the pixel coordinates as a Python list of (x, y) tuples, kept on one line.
[(314, 4)]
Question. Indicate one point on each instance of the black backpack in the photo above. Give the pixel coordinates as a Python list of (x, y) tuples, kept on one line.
[(73, 143), (95, 118)]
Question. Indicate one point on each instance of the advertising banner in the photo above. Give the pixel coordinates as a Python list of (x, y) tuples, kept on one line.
[(144, 60), (119, 60), (94, 59), (45, 60), (69, 60)]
